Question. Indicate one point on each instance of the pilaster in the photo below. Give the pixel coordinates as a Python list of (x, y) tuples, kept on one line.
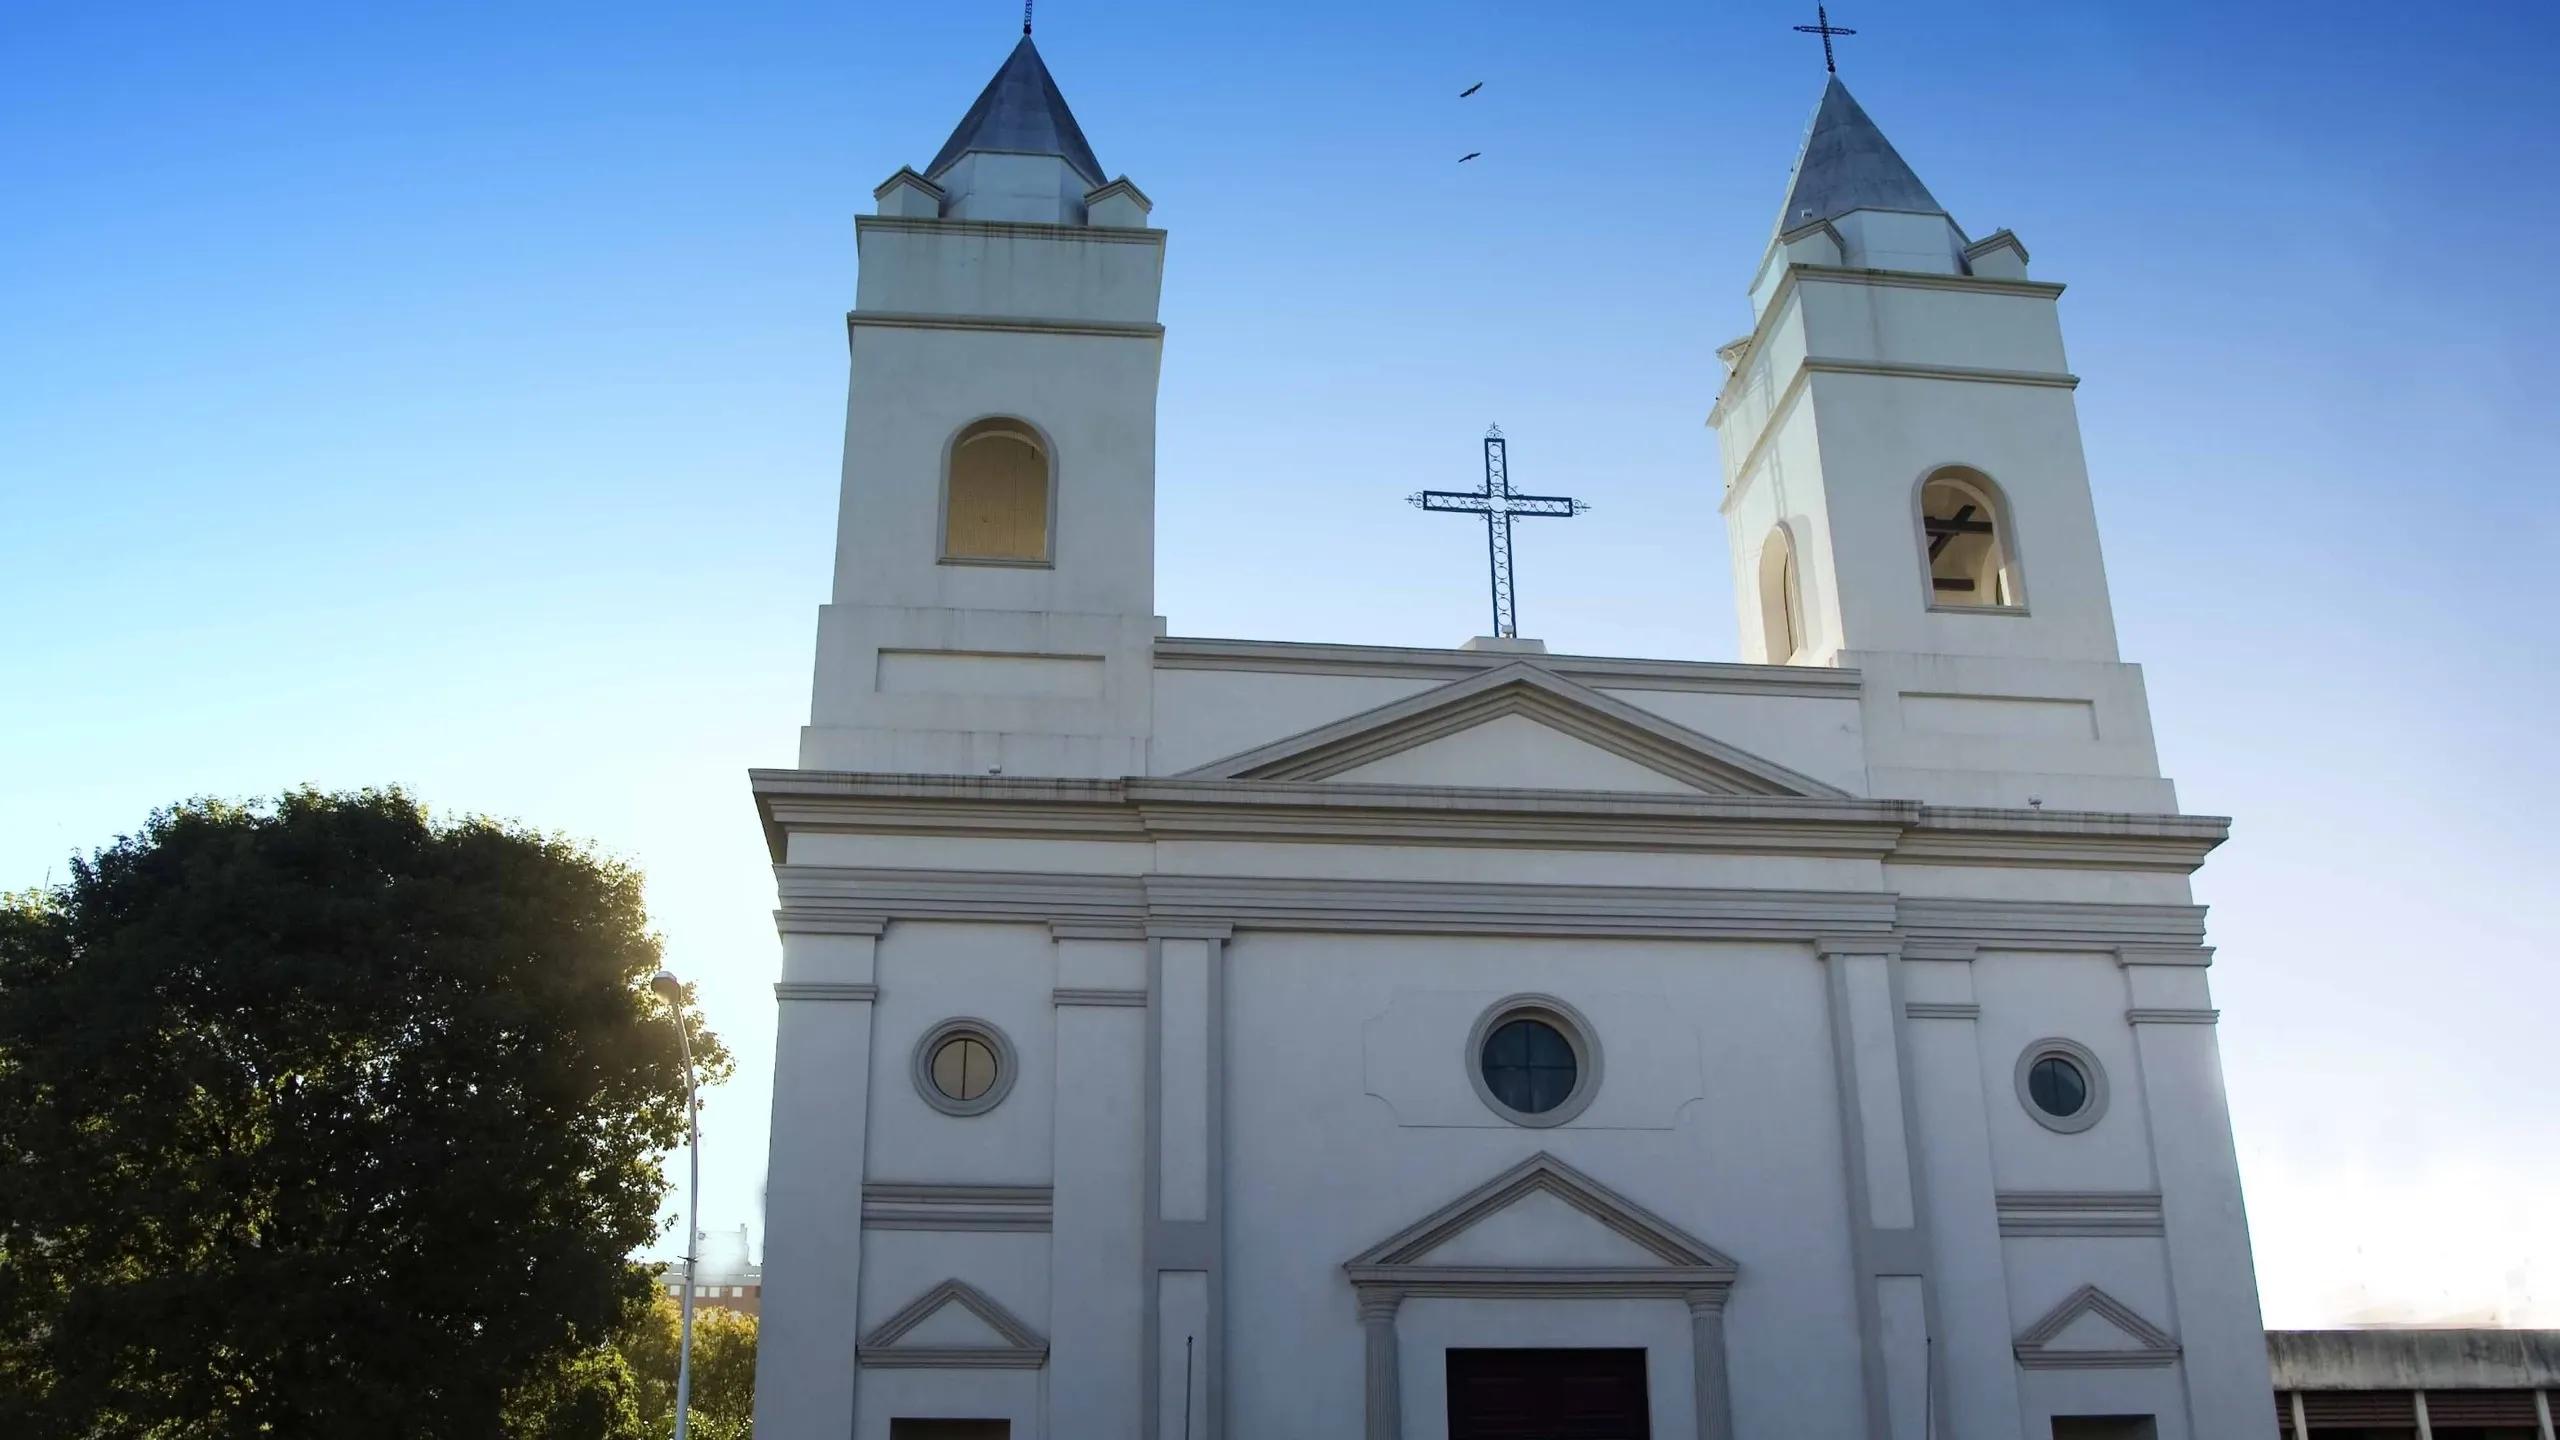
[(1896, 1318), (1979, 1393), (813, 1247), (2212, 1276), (1186, 1181), (1382, 1374), (1097, 1299)]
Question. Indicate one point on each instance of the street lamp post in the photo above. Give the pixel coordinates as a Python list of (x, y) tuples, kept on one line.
[(667, 985)]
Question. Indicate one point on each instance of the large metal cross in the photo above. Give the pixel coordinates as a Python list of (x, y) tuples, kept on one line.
[(1497, 504), (1823, 27)]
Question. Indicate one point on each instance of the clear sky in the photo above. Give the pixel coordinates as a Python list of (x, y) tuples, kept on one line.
[(451, 395)]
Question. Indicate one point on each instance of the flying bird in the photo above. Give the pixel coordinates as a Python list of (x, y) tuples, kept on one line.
[(1470, 155), (1470, 90)]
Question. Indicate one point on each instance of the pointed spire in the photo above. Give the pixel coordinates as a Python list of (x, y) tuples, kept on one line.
[(1846, 165), (1021, 111)]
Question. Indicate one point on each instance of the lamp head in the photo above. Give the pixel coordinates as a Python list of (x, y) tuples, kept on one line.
[(666, 984)]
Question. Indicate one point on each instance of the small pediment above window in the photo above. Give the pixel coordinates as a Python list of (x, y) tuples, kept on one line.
[(2093, 1330), (954, 1325)]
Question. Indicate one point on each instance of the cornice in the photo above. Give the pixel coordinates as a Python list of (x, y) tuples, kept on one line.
[(1011, 324), (912, 1206), (1139, 811), (2171, 1016), (843, 991), (1596, 671), (2079, 1213), (2052, 925), (1841, 365), (1011, 229), (1798, 274), (1973, 835), (1197, 906), (1941, 1010)]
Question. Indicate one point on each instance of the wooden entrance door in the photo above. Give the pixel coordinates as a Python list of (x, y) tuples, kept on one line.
[(1547, 1395)]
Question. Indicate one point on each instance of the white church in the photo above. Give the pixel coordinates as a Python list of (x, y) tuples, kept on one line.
[(1203, 1038)]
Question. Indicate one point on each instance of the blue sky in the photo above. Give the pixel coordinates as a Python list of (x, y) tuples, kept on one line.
[(451, 395)]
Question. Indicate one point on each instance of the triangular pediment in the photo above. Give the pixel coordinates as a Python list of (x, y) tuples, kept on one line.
[(1541, 1220), (1516, 727), (953, 1325), (2093, 1330)]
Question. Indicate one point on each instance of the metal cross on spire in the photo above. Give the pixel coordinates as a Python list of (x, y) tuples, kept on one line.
[(1026, 17), (1823, 27), (1497, 504)]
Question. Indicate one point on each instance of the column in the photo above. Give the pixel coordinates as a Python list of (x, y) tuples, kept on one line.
[(1186, 1102), (813, 1185), (1886, 1237), (1384, 1374), (2212, 1277), (1714, 1393)]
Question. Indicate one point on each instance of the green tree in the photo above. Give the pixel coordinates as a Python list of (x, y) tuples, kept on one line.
[(327, 1118), (724, 1368)]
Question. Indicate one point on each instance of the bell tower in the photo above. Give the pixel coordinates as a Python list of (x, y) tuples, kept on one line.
[(994, 593), (1905, 492)]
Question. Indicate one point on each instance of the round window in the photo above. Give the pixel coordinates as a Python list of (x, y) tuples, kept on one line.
[(2062, 1085), (2057, 1087), (1529, 1065), (1534, 1061), (963, 1067)]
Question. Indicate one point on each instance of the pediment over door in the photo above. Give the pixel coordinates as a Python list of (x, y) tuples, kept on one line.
[(1542, 1228), (1516, 727)]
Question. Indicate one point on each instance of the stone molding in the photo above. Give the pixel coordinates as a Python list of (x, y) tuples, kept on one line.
[(839, 990), (1212, 907), (1023, 1347), (2148, 1346), (888, 1205), (2085, 1213), (906, 175), (2052, 925), (1599, 672), (1700, 761), (1089, 995), (1941, 1010), (1010, 229), (2162, 1015), (1138, 811), (1017, 324), (1835, 365)]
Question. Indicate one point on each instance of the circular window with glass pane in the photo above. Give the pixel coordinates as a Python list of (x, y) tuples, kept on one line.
[(1533, 1060), (963, 1067), (2061, 1085)]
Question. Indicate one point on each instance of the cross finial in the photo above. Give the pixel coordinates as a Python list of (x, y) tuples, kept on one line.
[(1499, 504), (1822, 26), (1026, 17)]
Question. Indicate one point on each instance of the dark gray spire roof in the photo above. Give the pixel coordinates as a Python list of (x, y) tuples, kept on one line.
[(1021, 110), (1846, 165)]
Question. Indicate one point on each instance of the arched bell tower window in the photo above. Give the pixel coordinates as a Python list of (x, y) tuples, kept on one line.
[(996, 495), (1781, 600), (1964, 533)]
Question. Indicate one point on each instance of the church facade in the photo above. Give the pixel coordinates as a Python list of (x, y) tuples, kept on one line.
[(1195, 1038)]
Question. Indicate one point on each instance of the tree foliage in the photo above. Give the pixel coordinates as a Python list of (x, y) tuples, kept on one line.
[(327, 1118), (724, 1368)]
